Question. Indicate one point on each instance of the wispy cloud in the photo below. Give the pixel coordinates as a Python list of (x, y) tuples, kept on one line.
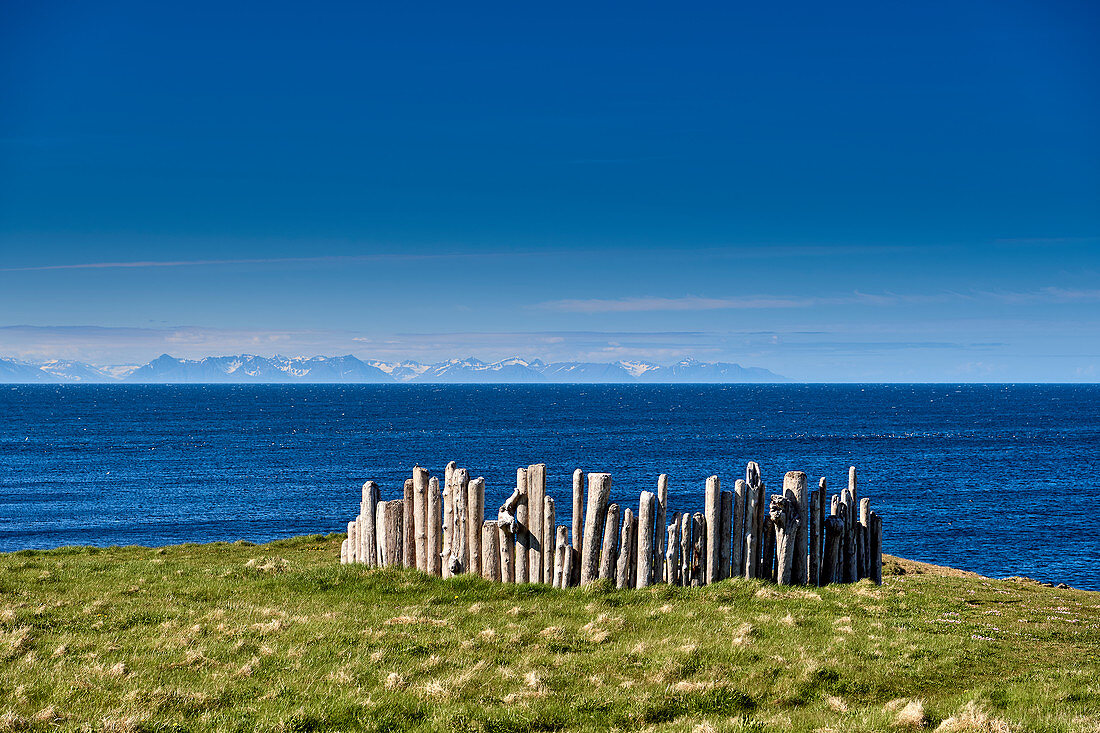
[(737, 302), (641, 304), (336, 259)]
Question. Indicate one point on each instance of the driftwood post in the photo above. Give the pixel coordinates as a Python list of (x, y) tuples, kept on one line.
[(490, 547), (851, 535), (712, 511), (368, 539), (834, 533), (561, 552), (420, 517), (408, 544), (783, 512), (660, 524), (344, 552), (794, 490), (864, 569), (752, 540), (536, 490), (672, 551), (876, 548), (767, 546), (737, 565), (622, 571), (851, 514), (577, 528), (599, 490), (393, 533), (570, 558), (724, 549), (609, 555), (685, 548), (448, 521), (817, 509), (698, 549), (549, 527), (379, 525), (435, 560), (523, 536), (647, 511), (507, 548), (353, 541), (460, 552), (475, 505)]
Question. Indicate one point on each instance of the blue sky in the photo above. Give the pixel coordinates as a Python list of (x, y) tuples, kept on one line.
[(843, 191)]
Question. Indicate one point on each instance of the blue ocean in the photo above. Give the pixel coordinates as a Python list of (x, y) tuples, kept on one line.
[(999, 479)]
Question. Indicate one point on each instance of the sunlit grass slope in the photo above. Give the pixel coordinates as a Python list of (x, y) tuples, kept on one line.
[(281, 637)]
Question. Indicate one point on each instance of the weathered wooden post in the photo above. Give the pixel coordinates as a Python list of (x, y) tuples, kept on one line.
[(549, 527), (864, 569), (876, 547), (435, 560), (599, 490), (490, 547), (622, 569), (394, 533), (460, 553), (448, 521), (850, 523), (834, 534), (752, 539), (851, 537), (562, 551), (783, 512), (698, 549), (660, 522), (523, 534), (817, 507), (408, 543), (507, 548), (475, 505), (578, 525), (767, 555), (369, 538), (737, 564), (536, 490), (763, 530), (712, 511), (379, 525), (794, 490), (420, 518), (344, 552), (685, 548), (609, 554), (672, 551), (647, 511), (353, 541), (724, 550)]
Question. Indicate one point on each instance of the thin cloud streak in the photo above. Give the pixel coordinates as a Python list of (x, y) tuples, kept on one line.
[(643, 304), (346, 259)]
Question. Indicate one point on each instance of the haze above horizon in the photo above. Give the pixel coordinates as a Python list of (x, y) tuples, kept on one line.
[(842, 192)]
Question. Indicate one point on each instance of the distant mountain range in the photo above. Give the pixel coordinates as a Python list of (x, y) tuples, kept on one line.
[(246, 368)]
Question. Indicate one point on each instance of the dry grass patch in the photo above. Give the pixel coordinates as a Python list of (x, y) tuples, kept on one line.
[(971, 718)]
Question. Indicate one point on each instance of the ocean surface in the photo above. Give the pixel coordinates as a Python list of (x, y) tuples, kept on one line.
[(998, 479)]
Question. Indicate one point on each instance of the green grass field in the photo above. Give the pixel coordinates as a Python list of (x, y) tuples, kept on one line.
[(281, 637)]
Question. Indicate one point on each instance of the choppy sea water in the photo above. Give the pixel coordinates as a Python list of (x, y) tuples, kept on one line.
[(998, 479)]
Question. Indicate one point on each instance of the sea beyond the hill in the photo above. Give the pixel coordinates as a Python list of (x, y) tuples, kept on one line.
[(998, 479)]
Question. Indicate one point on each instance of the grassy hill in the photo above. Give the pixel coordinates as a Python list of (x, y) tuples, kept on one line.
[(281, 637)]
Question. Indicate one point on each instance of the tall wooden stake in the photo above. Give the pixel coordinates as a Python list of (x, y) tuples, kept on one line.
[(536, 490), (626, 541), (369, 541), (712, 511), (609, 554), (490, 544), (599, 490), (577, 528), (737, 564), (660, 521), (475, 505), (726, 521), (435, 559), (647, 511), (460, 553), (523, 534)]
